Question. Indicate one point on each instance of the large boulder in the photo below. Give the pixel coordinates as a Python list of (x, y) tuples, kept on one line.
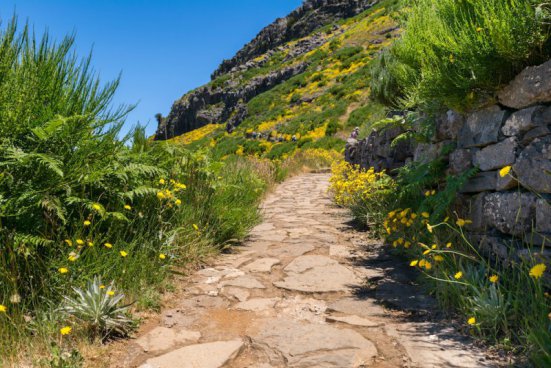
[(532, 86), (482, 127), (533, 167), (511, 213), (497, 155)]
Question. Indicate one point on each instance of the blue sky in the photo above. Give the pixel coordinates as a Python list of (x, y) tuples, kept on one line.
[(163, 48)]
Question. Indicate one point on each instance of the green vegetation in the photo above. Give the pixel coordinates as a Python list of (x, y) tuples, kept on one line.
[(453, 54), (77, 203), (456, 53)]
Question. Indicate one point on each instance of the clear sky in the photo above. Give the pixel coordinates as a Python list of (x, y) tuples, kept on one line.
[(162, 47)]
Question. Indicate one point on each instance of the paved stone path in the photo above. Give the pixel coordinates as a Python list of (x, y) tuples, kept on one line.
[(305, 290)]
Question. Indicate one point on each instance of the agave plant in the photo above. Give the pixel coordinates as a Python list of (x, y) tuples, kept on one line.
[(99, 308)]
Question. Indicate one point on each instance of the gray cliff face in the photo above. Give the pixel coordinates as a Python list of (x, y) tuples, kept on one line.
[(225, 102), (312, 15)]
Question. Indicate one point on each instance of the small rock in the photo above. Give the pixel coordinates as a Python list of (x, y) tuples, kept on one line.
[(511, 213), (533, 167), (521, 121), (484, 181), (482, 127), (530, 87), (461, 160), (497, 155), (543, 216)]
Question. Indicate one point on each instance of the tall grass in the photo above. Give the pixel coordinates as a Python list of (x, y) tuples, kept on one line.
[(76, 202), (457, 53)]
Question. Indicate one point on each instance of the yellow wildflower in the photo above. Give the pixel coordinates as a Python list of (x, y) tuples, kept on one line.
[(80, 242), (426, 252), (177, 202), (422, 263), (90, 244), (127, 207), (425, 214), (434, 246), (438, 258), (414, 216), (110, 293), (471, 321), (102, 286), (108, 245), (162, 256), (479, 29), (449, 245), (494, 278), (395, 243), (414, 263), (458, 275), (195, 227), (433, 192), (160, 195), (505, 171), (162, 181), (63, 270), (429, 228), (96, 206), (72, 257), (428, 265), (461, 222), (391, 214), (123, 253), (3, 308), (65, 330), (407, 245), (537, 271), (69, 242), (427, 193)]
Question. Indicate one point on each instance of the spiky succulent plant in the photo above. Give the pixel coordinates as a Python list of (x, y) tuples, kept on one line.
[(99, 308)]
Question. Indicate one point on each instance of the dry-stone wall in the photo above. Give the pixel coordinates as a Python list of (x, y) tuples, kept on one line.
[(516, 132)]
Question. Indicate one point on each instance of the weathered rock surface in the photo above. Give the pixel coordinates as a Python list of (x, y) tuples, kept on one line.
[(496, 155), (162, 338), (521, 121), (210, 104), (208, 355), (533, 167), (511, 213), (484, 181), (532, 86), (482, 127)]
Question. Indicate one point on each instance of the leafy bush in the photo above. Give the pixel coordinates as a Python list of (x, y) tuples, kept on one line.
[(457, 52)]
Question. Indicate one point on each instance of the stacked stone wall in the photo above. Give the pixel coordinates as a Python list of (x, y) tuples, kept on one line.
[(511, 212)]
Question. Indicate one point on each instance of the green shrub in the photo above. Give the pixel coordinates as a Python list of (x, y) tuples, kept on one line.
[(457, 52)]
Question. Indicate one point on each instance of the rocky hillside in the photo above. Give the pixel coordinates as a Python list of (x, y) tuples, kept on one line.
[(303, 75)]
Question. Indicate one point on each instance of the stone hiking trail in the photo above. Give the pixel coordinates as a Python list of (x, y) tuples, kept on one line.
[(305, 290)]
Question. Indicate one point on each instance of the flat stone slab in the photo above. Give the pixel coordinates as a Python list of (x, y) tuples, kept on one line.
[(208, 355), (162, 338), (247, 282), (429, 346), (294, 250), (257, 304), (317, 274), (237, 293), (353, 320), (262, 265), (301, 342), (358, 307)]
